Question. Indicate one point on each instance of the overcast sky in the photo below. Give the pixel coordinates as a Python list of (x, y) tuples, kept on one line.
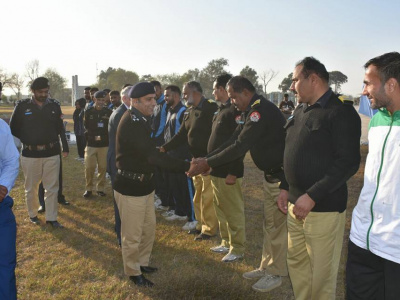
[(158, 37)]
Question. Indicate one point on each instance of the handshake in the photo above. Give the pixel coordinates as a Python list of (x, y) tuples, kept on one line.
[(197, 166)]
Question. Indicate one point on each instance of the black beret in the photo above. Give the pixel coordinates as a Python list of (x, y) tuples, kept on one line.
[(40, 83), (100, 94), (141, 89)]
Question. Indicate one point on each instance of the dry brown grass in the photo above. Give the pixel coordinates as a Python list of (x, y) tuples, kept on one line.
[(83, 260)]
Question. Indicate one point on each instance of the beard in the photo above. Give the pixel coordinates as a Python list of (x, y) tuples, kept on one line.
[(41, 99), (380, 100)]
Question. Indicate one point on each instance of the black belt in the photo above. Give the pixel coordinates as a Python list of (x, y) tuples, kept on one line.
[(135, 176), (40, 147)]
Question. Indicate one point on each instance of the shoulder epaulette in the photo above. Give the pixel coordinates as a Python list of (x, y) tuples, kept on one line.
[(257, 102), (55, 101)]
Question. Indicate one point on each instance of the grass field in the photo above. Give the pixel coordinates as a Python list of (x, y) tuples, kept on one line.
[(83, 260)]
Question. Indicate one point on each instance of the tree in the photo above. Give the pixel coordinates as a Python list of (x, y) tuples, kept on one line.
[(286, 83), (32, 71), (251, 75), (147, 77), (266, 78), (114, 79), (337, 78), (16, 82), (208, 74), (57, 84)]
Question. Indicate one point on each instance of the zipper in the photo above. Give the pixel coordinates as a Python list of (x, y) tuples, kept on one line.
[(377, 184)]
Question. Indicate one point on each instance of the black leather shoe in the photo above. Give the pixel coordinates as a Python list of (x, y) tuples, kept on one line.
[(87, 194), (202, 237), (194, 231), (54, 224), (100, 193), (62, 200), (41, 209), (141, 281), (147, 269), (35, 220)]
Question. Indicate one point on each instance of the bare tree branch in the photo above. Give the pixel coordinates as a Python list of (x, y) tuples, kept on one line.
[(266, 78)]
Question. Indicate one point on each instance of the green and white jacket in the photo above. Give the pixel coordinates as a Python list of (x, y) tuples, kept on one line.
[(376, 218)]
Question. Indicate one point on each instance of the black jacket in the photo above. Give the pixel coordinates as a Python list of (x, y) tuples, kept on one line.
[(225, 121), (322, 152), (96, 126), (136, 152), (196, 128), (260, 131), (35, 125)]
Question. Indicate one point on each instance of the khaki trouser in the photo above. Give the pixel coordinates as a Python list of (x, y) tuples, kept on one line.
[(229, 208), (315, 245), (138, 228), (203, 205), (46, 170), (275, 233), (95, 156)]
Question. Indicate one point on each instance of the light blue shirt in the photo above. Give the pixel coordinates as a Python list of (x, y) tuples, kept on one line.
[(9, 157)]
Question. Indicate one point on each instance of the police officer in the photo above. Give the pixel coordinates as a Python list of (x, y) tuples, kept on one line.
[(136, 158), (37, 123), (196, 131), (226, 180), (96, 126), (260, 131)]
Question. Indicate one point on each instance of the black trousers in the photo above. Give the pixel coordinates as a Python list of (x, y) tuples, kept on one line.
[(371, 277), (81, 144), (60, 187), (182, 190), (162, 186)]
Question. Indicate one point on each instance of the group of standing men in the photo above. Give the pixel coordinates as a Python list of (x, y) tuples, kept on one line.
[(306, 163)]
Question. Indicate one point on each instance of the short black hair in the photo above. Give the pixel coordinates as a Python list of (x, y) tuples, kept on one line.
[(239, 83), (115, 93), (94, 89), (194, 86), (107, 91), (222, 80), (156, 83), (1, 86), (286, 95), (126, 84), (87, 88), (388, 66), (313, 65), (81, 102), (174, 88)]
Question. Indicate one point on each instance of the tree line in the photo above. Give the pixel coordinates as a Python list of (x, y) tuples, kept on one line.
[(115, 78)]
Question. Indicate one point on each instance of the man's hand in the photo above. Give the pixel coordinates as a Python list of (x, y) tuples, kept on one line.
[(65, 154), (162, 149), (198, 166), (282, 201), (3, 192), (303, 206), (230, 179)]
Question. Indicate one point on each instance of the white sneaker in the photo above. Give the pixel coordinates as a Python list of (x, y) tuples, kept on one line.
[(157, 202), (189, 226), (267, 283), (220, 249), (162, 208), (168, 213), (257, 273), (230, 257), (175, 217)]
